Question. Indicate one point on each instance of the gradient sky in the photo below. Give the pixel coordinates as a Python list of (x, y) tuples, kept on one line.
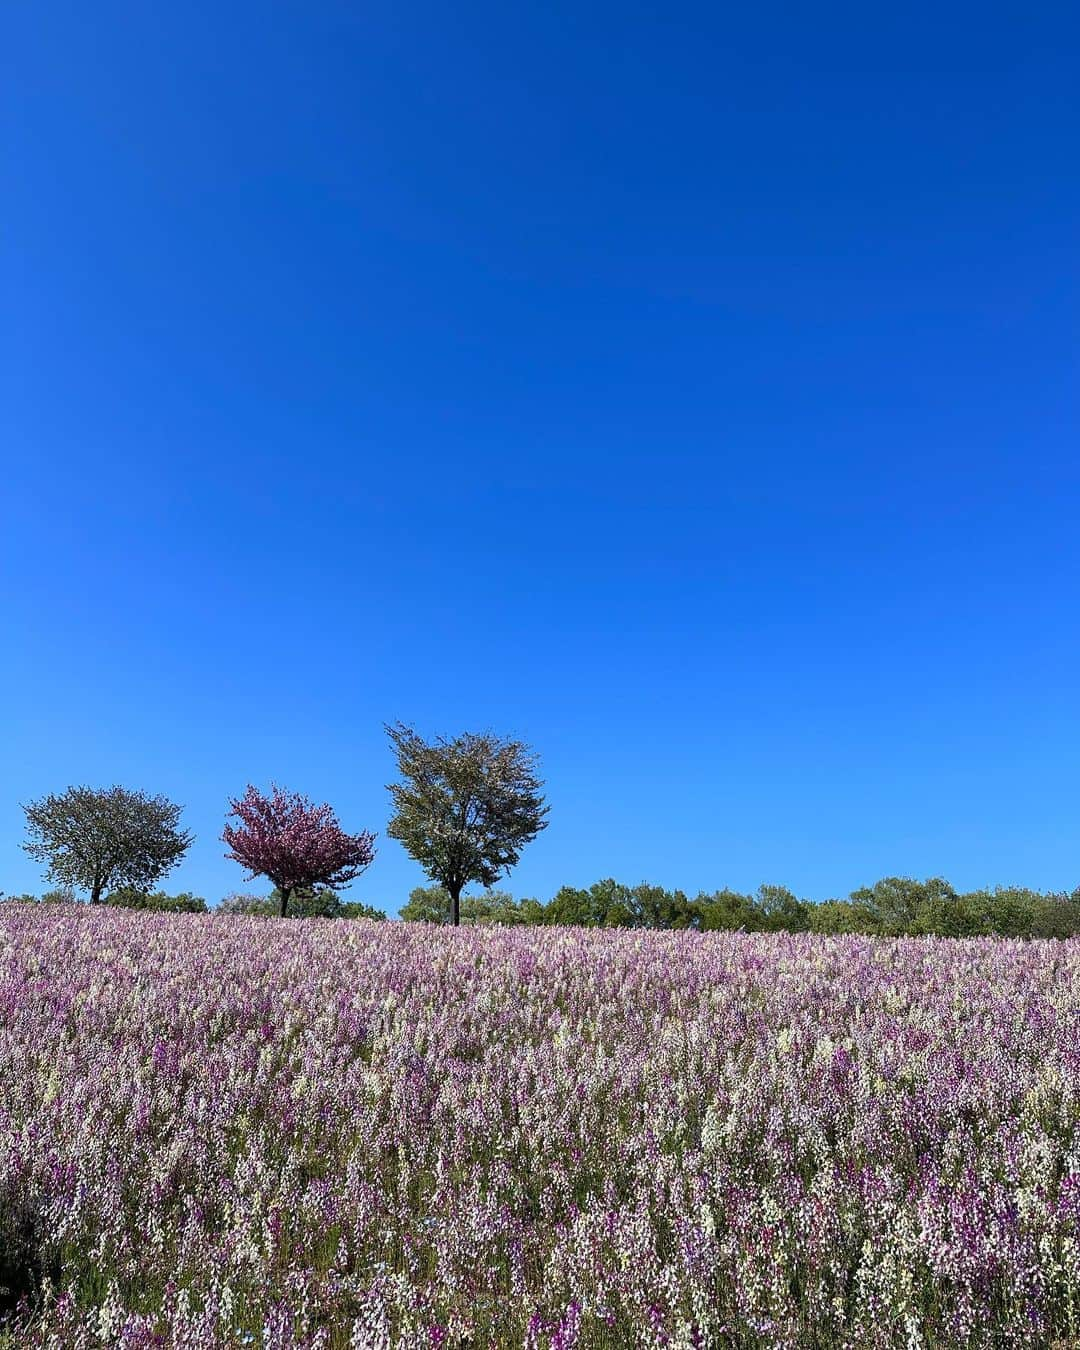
[(689, 390)]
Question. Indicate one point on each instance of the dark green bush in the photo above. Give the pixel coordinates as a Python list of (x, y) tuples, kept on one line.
[(321, 902), (891, 907), (128, 897)]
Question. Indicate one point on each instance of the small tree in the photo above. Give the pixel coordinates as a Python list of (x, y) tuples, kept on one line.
[(260, 906), (465, 808), (427, 904), (356, 909), (184, 903), (894, 901), (782, 910), (492, 907), (98, 839), (293, 843)]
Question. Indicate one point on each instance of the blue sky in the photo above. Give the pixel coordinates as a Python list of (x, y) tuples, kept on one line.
[(689, 390)]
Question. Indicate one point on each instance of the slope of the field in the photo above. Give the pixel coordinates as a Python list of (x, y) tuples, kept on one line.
[(219, 1132)]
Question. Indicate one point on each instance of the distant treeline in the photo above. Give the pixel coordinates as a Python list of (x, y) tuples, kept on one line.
[(319, 902), (892, 907)]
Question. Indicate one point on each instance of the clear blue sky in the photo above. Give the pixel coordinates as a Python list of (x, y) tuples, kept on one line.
[(691, 390)]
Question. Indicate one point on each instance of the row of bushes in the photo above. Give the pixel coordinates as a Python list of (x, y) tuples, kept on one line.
[(320, 902), (184, 903), (894, 906)]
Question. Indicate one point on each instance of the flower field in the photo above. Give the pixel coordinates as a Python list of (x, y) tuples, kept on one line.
[(237, 1132)]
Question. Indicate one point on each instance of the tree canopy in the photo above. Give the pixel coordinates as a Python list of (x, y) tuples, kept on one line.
[(464, 808), (101, 839)]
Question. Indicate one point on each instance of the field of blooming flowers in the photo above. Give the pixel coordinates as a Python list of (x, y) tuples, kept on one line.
[(226, 1132)]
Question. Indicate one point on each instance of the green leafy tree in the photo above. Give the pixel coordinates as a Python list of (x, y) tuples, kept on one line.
[(247, 906), (496, 907), (606, 904), (612, 904), (952, 916), (184, 903), (655, 907), (464, 808), (1007, 911), (894, 901), (570, 907), (532, 911), (781, 910), (100, 839), (841, 916), (1057, 916), (728, 910), (432, 904), (427, 904), (61, 896), (310, 902), (323, 902), (356, 909)]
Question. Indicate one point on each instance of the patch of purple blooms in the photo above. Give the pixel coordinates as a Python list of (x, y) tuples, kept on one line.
[(324, 1135)]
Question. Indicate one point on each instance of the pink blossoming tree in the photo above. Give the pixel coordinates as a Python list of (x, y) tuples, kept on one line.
[(294, 843)]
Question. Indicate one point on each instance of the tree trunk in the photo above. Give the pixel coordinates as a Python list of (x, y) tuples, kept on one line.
[(455, 906), (95, 892), (283, 904)]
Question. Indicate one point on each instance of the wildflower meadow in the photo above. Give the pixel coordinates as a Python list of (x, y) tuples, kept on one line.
[(220, 1131)]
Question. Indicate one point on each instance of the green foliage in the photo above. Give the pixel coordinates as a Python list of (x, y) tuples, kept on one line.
[(315, 902), (247, 906), (494, 907), (1057, 916), (310, 902), (606, 904), (431, 904), (355, 909), (727, 909), (894, 902), (841, 916), (655, 907), (184, 903), (571, 906), (464, 808), (427, 904), (531, 911), (101, 839), (893, 906), (782, 911), (54, 897)]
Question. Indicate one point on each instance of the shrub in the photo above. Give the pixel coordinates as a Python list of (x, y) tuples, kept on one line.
[(60, 896), (247, 905), (427, 904), (491, 907), (841, 916), (727, 909), (319, 902), (128, 897), (354, 909)]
